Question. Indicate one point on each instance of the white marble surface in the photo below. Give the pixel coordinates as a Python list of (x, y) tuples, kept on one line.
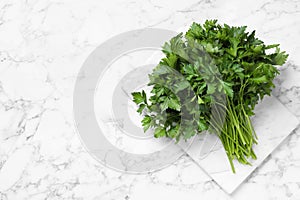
[(42, 46)]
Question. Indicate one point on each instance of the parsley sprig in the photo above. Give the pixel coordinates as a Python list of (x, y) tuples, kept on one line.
[(214, 59)]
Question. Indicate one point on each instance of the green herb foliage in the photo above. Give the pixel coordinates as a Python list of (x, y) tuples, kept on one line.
[(213, 59)]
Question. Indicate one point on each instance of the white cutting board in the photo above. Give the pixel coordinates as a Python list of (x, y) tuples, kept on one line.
[(272, 123)]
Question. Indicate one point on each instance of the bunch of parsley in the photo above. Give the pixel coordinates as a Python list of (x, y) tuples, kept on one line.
[(217, 66)]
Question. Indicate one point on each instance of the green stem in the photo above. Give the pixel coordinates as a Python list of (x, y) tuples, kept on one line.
[(237, 133)]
